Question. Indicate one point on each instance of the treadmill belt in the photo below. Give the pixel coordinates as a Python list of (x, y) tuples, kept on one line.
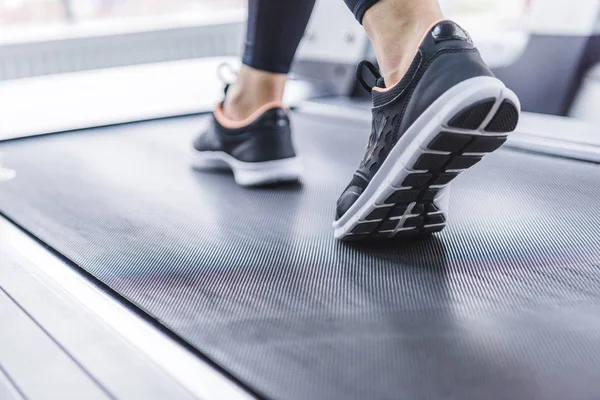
[(503, 304)]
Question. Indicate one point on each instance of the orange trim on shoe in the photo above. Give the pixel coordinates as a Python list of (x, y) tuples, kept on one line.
[(233, 124)]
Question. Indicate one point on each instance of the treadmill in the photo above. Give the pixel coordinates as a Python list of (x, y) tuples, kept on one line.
[(228, 292), (125, 273)]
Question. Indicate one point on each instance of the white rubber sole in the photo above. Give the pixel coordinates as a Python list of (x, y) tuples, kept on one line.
[(402, 160), (250, 173)]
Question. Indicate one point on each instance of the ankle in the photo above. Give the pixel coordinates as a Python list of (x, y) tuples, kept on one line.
[(252, 90), (396, 28)]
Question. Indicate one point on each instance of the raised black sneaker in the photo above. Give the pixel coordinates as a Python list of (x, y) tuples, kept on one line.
[(259, 150), (444, 115)]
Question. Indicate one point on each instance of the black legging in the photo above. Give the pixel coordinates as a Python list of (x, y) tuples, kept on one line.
[(275, 28)]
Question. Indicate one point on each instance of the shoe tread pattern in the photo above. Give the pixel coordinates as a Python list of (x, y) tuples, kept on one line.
[(412, 205)]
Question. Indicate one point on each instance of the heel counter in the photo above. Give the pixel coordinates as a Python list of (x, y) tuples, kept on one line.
[(445, 71), (270, 142)]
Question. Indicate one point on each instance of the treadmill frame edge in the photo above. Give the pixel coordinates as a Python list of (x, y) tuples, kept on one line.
[(583, 148), (197, 376)]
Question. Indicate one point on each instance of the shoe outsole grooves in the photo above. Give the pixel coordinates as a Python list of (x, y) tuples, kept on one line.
[(472, 117), (506, 118), (468, 136)]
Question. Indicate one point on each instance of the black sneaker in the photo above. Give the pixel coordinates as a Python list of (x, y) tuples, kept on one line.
[(259, 151), (440, 119)]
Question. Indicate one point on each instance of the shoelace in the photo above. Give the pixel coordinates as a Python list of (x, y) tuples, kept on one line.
[(374, 72), (227, 74)]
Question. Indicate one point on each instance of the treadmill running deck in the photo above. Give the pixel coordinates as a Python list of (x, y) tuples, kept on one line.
[(504, 304)]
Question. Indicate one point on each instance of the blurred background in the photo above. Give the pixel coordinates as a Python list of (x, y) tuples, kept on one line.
[(28, 13), (39, 37), (545, 50)]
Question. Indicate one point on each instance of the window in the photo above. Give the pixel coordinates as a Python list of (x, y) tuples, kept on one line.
[(17, 16)]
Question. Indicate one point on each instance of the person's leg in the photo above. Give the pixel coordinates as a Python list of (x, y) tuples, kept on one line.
[(273, 33), (276, 27), (250, 130), (396, 28), (437, 110)]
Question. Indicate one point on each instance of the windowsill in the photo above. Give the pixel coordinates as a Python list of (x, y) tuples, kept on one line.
[(114, 26), (85, 99)]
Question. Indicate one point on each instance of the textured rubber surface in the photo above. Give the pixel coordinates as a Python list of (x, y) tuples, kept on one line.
[(505, 119), (472, 117), (503, 304)]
